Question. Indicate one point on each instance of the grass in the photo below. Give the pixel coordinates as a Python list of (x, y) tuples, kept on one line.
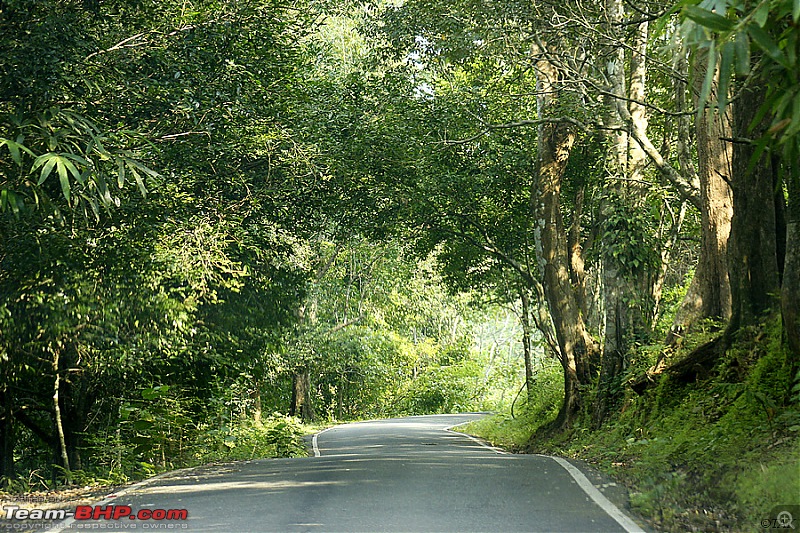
[(118, 464), (715, 455)]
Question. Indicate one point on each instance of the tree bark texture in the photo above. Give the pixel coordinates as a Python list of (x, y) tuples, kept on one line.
[(578, 350), (627, 290), (790, 288), (301, 396), (59, 425), (753, 250), (709, 293)]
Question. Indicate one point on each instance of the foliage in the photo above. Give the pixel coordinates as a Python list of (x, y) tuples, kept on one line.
[(537, 409), (443, 389), (203, 201), (756, 39), (277, 436)]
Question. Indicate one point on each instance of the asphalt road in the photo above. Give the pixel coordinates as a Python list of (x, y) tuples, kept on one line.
[(408, 474)]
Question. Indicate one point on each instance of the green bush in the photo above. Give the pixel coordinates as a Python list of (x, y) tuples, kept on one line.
[(277, 436), (539, 406), (443, 389)]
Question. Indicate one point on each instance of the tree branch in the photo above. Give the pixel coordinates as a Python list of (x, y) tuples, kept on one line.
[(689, 191)]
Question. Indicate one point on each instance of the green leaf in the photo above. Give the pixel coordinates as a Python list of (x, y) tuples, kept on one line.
[(63, 178), (762, 14), (15, 148), (707, 19), (120, 173), (72, 169), (765, 42), (742, 45), (796, 11), (47, 162), (78, 159), (9, 199), (143, 425), (794, 128), (93, 204), (705, 90), (155, 392), (139, 181), (725, 72), (667, 17)]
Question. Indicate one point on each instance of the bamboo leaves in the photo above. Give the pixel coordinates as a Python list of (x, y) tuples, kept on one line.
[(757, 40), (77, 156), (708, 19)]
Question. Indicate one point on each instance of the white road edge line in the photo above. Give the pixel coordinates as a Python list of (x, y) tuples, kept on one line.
[(470, 437), (67, 523), (599, 498), (583, 482), (314, 444)]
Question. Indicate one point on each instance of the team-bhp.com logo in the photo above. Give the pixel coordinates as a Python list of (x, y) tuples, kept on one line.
[(153, 518)]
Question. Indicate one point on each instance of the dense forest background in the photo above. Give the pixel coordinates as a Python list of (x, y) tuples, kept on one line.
[(219, 218)]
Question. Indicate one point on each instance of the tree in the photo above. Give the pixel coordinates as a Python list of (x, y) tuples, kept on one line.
[(755, 47), (116, 290)]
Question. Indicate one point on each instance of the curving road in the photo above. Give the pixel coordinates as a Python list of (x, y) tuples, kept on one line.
[(408, 474)]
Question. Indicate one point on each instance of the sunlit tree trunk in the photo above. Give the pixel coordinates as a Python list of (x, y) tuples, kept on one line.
[(709, 293), (577, 264), (578, 351), (59, 425)]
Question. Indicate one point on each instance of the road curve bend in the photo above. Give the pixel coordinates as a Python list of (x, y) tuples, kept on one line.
[(408, 474)]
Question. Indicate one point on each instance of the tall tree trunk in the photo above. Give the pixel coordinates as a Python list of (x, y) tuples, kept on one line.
[(301, 396), (709, 293), (790, 288), (753, 250), (577, 270), (578, 351), (59, 425), (77, 399), (627, 291)]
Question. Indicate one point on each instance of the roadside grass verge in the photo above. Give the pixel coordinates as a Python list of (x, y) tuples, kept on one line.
[(717, 454), (117, 464)]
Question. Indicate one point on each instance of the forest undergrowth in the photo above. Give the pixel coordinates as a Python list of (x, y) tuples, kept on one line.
[(117, 463), (719, 453)]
